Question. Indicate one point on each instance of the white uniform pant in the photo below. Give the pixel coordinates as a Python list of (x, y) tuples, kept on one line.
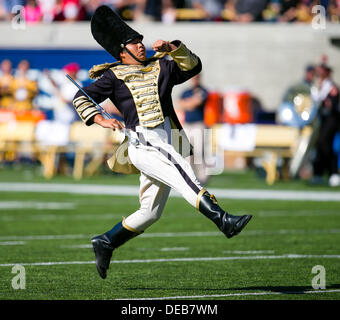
[(162, 168)]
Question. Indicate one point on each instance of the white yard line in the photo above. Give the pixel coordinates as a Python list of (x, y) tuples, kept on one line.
[(276, 195), (298, 213), (164, 249), (193, 259), (78, 246), (239, 294), (289, 231), (70, 188), (87, 246), (248, 251), (181, 234), (53, 217), (177, 234), (88, 236), (12, 243), (125, 190), (47, 237), (7, 205), (175, 249)]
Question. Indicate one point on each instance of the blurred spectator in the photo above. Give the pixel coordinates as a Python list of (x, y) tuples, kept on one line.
[(9, 4), (327, 97), (272, 11), (90, 7), (128, 9), (309, 75), (46, 6), (244, 10), (48, 9), (334, 11), (65, 91), (23, 88), (192, 102), (3, 13), (33, 13), (303, 87), (153, 10), (212, 8), (6, 84), (146, 10), (168, 11), (165, 10), (304, 11), (181, 3), (69, 11), (288, 10), (138, 9)]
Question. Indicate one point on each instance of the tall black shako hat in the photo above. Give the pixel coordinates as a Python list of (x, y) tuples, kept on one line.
[(111, 32)]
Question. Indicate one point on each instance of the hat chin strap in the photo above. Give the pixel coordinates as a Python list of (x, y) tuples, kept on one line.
[(133, 56)]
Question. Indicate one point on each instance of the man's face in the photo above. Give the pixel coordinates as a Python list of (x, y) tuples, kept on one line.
[(137, 48), (310, 75), (23, 66), (6, 66), (321, 72)]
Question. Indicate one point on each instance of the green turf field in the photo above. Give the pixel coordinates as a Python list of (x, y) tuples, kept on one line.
[(181, 256)]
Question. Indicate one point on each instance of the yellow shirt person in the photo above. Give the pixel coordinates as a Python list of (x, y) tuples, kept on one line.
[(6, 84), (24, 90)]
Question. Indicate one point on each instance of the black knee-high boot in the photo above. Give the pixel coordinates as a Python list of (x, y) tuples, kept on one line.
[(103, 245), (230, 225)]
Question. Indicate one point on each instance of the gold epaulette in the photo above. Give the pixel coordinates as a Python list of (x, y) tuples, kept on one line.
[(97, 70)]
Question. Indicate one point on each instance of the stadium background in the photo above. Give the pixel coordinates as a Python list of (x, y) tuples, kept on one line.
[(264, 58)]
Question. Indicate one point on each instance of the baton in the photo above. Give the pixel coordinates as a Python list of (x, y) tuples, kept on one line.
[(98, 107)]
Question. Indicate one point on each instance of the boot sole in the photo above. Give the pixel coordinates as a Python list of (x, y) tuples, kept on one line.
[(237, 230)]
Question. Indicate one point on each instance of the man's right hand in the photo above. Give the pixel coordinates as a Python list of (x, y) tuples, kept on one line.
[(108, 123), (163, 46)]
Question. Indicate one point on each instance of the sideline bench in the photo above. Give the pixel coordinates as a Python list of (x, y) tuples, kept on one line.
[(268, 142)]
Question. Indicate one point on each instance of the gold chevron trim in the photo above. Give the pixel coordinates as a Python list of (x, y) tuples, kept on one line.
[(199, 196)]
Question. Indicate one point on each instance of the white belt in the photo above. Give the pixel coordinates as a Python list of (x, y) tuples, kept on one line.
[(143, 134)]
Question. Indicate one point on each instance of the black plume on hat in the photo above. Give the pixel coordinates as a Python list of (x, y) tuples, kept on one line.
[(110, 31)]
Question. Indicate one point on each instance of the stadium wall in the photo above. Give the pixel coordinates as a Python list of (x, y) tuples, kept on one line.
[(262, 58)]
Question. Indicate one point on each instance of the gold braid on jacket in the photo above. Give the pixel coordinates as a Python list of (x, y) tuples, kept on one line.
[(97, 70)]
